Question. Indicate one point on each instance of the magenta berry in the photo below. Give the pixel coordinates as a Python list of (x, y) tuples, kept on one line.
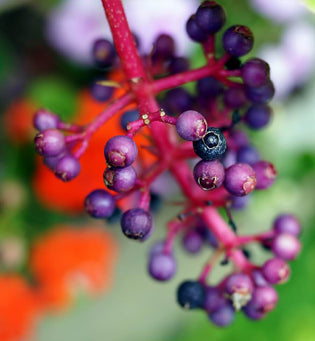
[(238, 40), (136, 223), (276, 271), (44, 119), (50, 142), (240, 179), (266, 174), (120, 179), (286, 246), (67, 168), (255, 72), (99, 204), (209, 175), (258, 116), (120, 151), (287, 223), (191, 125), (162, 267)]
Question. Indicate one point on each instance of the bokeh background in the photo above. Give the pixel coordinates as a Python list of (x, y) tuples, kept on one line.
[(45, 239)]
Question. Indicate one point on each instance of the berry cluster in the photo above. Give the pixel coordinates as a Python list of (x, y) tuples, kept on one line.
[(200, 126)]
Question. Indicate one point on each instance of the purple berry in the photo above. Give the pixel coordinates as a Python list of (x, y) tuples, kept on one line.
[(157, 248), (100, 92), (99, 204), (261, 94), (67, 168), (214, 299), (191, 125), (258, 116), (194, 31), (255, 72), (239, 138), (209, 175), (136, 223), (103, 53), (164, 47), (234, 98), (191, 295), (120, 179), (239, 287), (223, 317), (211, 146), (265, 174), (276, 271), (287, 223), (264, 299), (286, 246), (52, 161), (259, 279), (177, 100), (248, 154), (178, 65), (192, 242), (209, 87), (238, 40), (210, 17), (162, 267), (239, 203), (44, 120), (240, 179), (120, 151), (50, 142)]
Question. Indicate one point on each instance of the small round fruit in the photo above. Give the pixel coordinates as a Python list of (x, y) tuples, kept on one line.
[(209, 175), (136, 223)]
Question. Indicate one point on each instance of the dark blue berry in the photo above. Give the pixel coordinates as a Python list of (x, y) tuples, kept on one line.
[(194, 30), (210, 17), (191, 295)]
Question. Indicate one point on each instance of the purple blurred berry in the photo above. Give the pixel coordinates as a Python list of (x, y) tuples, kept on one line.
[(103, 53), (209, 87), (192, 241), (178, 65), (258, 116), (240, 179), (239, 203), (210, 17), (265, 174), (136, 223), (99, 204), (100, 92), (286, 246), (164, 47), (128, 116), (248, 154), (234, 98), (120, 179), (209, 175), (191, 125), (239, 138), (120, 151), (223, 317), (214, 299), (162, 267), (194, 31), (276, 271), (238, 40), (67, 168), (261, 94), (177, 100), (259, 279), (287, 223), (44, 119), (157, 248), (50, 142), (255, 72)]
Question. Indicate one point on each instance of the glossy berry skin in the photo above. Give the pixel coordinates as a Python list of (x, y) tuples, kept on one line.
[(255, 72), (99, 204), (52, 161), (136, 223), (67, 168), (191, 125), (162, 267), (194, 31), (210, 17), (192, 242), (128, 116), (120, 180), (258, 116), (262, 94), (238, 40), (234, 98), (209, 87), (191, 295), (43, 119), (248, 154), (209, 175), (266, 174), (223, 317), (276, 271), (50, 142), (120, 151), (211, 146), (286, 246), (287, 223), (103, 53), (240, 179), (101, 93), (215, 299), (264, 299)]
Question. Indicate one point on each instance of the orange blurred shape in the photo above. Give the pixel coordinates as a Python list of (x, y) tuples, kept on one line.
[(69, 197), (18, 308), (71, 260), (18, 121)]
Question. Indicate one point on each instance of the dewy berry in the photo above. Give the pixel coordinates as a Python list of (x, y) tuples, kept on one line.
[(177, 125)]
